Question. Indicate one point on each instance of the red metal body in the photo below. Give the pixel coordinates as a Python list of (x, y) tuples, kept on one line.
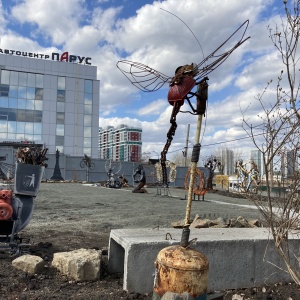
[(178, 92)]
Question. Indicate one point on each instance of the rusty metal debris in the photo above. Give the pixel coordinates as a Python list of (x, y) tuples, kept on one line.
[(32, 155)]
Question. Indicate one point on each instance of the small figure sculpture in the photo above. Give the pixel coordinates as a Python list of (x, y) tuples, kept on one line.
[(141, 182), (124, 181)]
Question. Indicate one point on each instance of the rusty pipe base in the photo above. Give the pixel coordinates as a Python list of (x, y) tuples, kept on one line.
[(179, 270), (202, 297)]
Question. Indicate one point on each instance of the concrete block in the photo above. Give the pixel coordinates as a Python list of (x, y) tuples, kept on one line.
[(80, 265), (29, 263), (238, 257)]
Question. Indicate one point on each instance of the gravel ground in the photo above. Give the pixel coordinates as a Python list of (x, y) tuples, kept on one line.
[(60, 206), (68, 216)]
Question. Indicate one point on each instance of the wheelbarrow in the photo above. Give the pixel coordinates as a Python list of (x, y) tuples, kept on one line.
[(16, 207)]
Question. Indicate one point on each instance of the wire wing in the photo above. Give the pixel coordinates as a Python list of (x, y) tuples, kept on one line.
[(143, 77), (218, 58)]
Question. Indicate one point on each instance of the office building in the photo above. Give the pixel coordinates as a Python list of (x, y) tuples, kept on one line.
[(123, 143), (257, 158), (227, 159), (288, 163), (51, 100)]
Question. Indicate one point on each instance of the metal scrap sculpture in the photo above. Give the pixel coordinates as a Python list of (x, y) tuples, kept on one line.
[(181, 85), (16, 205), (86, 162), (211, 162), (112, 168), (248, 180), (189, 81), (32, 155), (172, 171)]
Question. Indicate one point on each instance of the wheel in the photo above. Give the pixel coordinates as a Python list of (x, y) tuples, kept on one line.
[(117, 184), (92, 166), (6, 211), (82, 164)]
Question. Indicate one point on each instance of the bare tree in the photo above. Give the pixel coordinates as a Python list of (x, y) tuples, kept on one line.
[(277, 134), (182, 159)]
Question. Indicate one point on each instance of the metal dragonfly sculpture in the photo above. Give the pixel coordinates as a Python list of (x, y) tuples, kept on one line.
[(181, 85)]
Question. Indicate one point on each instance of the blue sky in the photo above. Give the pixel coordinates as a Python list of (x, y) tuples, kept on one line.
[(109, 31)]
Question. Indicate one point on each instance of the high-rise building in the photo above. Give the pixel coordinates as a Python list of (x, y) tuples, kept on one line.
[(123, 143), (51, 100), (291, 162), (288, 162), (257, 158), (227, 159)]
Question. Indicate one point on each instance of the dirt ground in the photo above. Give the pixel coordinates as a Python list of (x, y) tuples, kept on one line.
[(69, 216)]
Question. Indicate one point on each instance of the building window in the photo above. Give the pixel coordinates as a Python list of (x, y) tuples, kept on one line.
[(61, 83), (61, 89), (22, 79), (5, 76), (14, 78), (61, 96), (4, 90), (88, 132), (87, 121), (60, 115), (88, 86), (21, 94), (39, 80), (59, 140), (87, 109), (39, 93), (60, 129), (60, 106), (60, 118)]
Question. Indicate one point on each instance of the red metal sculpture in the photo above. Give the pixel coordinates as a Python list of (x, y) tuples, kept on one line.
[(181, 85)]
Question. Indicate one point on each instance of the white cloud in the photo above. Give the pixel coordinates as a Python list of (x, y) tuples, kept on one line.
[(160, 40), (155, 107), (56, 19), (104, 122), (3, 21)]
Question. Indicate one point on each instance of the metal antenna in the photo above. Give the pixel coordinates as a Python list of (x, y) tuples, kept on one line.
[(188, 29)]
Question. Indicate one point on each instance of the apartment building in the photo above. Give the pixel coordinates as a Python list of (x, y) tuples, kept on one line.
[(123, 143)]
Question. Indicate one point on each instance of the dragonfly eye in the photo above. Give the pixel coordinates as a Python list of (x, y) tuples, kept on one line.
[(178, 69)]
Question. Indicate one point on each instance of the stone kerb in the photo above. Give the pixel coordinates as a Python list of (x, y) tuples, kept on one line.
[(238, 257)]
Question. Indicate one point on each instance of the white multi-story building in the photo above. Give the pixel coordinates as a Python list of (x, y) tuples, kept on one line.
[(51, 100), (123, 143)]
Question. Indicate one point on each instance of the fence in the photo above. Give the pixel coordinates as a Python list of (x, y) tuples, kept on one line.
[(70, 170)]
